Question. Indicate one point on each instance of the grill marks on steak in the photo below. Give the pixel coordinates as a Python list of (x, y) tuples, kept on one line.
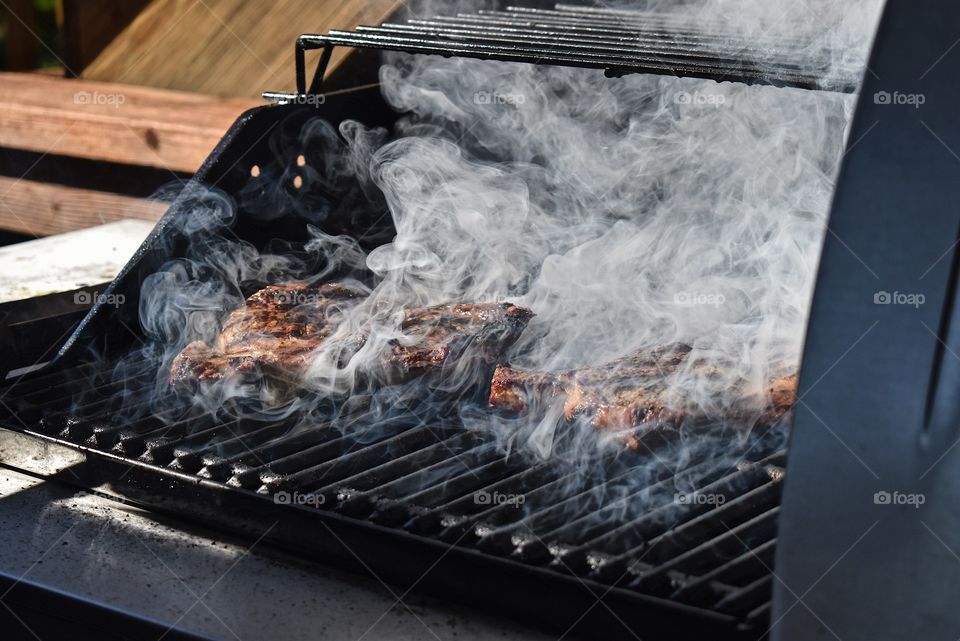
[(273, 334), (479, 332), (628, 396), (280, 326)]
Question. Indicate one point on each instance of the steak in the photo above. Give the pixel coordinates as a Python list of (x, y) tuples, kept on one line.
[(470, 335), (629, 396), (274, 334)]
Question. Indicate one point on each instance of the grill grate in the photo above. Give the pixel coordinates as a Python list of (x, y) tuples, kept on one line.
[(426, 479), (618, 41)]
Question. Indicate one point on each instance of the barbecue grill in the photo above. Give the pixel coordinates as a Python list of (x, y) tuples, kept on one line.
[(415, 501)]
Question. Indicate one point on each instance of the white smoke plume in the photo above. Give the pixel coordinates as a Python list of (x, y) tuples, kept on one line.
[(627, 213)]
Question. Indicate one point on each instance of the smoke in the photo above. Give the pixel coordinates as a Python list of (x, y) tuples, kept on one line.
[(627, 213)]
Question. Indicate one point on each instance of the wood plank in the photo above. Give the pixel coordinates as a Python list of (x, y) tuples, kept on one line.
[(42, 209), (116, 123), (226, 47)]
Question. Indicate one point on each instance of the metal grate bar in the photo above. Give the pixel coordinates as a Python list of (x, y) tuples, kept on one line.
[(620, 545), (160, 449), (300, 460), (670, 25), (539, 496), (452, 473), (75, 422), (561, 44), (733, 542), (349, 461), (128, 438), (374, 479), (685, 534), (558, 530), (508, 528), (189, 456), (578, 35), (746, 599), (222, 464), (640, 63), (466, 484), (759, 617), (460, 510), (672, 33), (746, 566)]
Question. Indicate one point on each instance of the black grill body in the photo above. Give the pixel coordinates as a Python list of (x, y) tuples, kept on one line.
[(376, 504)]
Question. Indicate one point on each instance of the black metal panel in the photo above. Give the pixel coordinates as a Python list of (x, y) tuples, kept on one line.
[(33, 611), (875, 430), (109, 331)]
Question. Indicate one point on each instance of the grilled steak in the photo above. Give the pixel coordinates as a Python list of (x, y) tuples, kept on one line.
[(274, 334), (626, 396), (435, 336)]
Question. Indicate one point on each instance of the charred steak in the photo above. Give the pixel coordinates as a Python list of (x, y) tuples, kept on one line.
[(626, 396), (274, 334)]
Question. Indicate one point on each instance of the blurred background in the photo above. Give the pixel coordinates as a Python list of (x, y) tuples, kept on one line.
[(217, 47), (25, 27), (108, 106)]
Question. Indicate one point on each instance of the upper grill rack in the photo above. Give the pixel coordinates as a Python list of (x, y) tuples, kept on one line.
[(618, 41)]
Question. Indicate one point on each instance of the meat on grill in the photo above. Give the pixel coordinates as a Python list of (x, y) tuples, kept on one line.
[(627, 396), (279, 327), (442, 334), (272, 334)]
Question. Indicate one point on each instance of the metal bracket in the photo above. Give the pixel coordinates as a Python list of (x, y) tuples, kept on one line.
[(306, 42)]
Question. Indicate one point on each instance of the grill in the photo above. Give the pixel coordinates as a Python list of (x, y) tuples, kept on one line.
[(434, 486), (618, 41), (427, 504)]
